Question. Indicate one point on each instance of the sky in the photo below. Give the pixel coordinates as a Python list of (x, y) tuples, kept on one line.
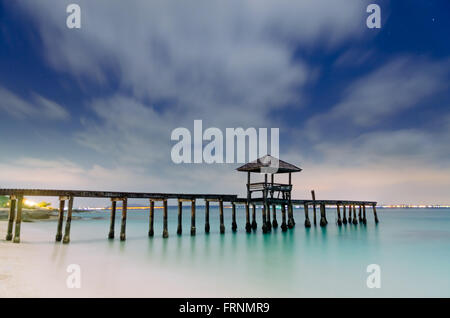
[(364, 112)]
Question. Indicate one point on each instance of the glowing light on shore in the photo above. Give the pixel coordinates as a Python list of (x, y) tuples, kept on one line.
[(29, 203)]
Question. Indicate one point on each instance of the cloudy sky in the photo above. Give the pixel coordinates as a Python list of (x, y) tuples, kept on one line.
[(365, 112)]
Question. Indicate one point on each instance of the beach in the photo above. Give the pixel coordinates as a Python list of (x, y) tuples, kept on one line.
[(410, 245)]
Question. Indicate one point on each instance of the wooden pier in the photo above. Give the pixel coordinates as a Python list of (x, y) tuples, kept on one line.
[(273, 195)]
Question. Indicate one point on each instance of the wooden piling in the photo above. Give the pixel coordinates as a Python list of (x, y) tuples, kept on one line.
[(364, 215), (360, 214), (180, 218), (264, 220), (268, 223), (113, 219), (349, 214), (151, 231), (307, 221), (375, 213), (193, 230), (344, 219), (60, 220), (248, 226), (207, 227), (66, 238), (254, 225), (222, 224), (313, 194), (18, 219), (290, 216), (283, 218), (165, 223), (323, 221), (233, 217), (274, 222), (124, 219), (355, 220), (12, 214), (339, 221)]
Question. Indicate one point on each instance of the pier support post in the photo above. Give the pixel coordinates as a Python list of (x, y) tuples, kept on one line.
[(291, 222), (207, 227), (375, 214), (248, 227), (360, 214), (323, 221), (344, 219), (264, 219), (180, 212), (355, 220), (18, 219), (307, 221), (193, 217), (267, 213), (364, 215), (254, 225), (283, 218), (339, 221), (151, 231), (313, 194), (11, 216), (124, 219), (274, 222), (222, 224), (165, 225), (233, 217), (66, 238), (113, 219), (349, 214), (60, 220)]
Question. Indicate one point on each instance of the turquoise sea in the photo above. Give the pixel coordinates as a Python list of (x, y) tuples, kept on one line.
[(411, 246)]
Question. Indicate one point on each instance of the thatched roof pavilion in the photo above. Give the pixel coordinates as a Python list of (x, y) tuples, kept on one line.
[(264, 163)]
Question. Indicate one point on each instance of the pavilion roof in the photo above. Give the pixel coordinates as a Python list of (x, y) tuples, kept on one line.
[(263, 164)]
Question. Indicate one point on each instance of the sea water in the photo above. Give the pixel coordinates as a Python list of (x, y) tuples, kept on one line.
[(411, 247)]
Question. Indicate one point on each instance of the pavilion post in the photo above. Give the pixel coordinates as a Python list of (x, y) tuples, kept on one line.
[(233, 217), (66, 238), (339, 221), (207, 226), (254, 225), (283, 218), (180, 213), (60, 219), (11, 216), (193, 230), (313, 194), (18, 219), (222, 224), (151, 230), (123, 226), (165, 222), (307, 221), (364, 215), (113, 219), (274, 222), (248, 227), (375, 213), (344, 219), (355, 220), (323, 221)]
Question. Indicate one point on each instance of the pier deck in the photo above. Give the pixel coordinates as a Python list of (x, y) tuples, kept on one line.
[(17, 198)]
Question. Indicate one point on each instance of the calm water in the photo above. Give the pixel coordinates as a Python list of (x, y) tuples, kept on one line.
[(411, 246)]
